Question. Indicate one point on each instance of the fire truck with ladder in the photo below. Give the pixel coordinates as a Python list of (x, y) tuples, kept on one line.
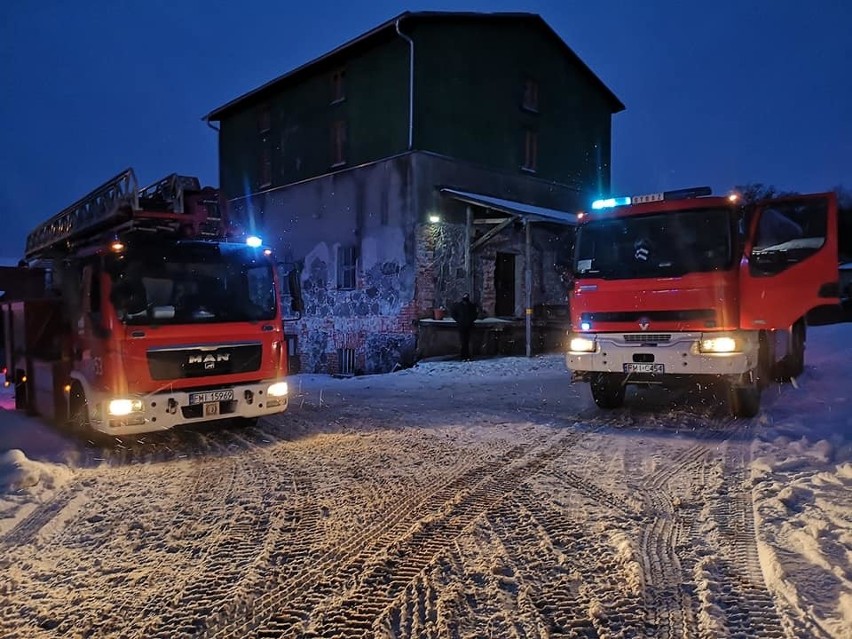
[(683, 287), (153, 314)]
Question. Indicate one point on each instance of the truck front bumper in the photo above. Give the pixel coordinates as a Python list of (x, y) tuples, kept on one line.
[(167, 409), (649, 358)]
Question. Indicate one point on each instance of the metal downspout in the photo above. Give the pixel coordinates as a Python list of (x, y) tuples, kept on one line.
[(468, 235), (528, 285), (410, 85)]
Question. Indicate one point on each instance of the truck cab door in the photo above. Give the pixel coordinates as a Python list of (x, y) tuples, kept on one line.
[(91, 348), (789, 266)]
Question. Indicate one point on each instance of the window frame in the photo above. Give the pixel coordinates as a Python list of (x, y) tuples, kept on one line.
[(338, 85), (338, 142), (347, 263), (530, 151), (530, 95)]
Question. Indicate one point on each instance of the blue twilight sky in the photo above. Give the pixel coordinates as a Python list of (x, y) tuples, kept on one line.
[(718, 93)]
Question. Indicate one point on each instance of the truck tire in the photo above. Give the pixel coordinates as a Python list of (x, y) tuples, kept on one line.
[(745, 400), (78, 410), (793, 364), (608, 390)]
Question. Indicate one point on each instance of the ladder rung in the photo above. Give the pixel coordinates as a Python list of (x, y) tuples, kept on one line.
[(92, 210)]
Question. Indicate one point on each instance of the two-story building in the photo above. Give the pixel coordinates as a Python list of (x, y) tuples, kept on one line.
[(438, 153)]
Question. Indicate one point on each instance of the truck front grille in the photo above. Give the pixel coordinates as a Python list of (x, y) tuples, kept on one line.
[(198, 361), (647, 338)]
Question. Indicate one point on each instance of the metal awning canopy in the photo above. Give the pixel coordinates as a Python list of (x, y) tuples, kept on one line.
[(512, 212), (511, 207)]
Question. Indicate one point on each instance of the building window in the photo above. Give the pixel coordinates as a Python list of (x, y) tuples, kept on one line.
[(338, 143), (338, 86), (346, 267), (265, 168), (530, 99), (530, 150), (264, 119), (264, 134)]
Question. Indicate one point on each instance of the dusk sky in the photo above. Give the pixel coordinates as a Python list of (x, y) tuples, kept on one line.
[(717, 93)]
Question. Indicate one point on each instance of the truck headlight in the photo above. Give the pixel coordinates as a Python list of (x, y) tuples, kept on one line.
[(119, 407), (718, 345), (278, 389), (582, 345)]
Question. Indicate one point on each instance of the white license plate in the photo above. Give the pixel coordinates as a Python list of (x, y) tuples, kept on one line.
[(211, 396), (644, 368)]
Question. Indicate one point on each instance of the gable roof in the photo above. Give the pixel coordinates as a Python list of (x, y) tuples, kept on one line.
[(388, 29)]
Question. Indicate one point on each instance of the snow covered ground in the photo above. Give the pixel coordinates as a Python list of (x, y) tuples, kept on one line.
[(476, 499)]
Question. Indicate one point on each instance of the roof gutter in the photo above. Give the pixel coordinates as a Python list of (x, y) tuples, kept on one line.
[(410, 84)]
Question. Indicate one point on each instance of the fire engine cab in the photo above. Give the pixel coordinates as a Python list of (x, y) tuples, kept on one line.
[(154, 313), (683, 287)]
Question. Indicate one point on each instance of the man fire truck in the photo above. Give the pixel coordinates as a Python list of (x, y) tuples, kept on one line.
[(683, 287), (153, 314)]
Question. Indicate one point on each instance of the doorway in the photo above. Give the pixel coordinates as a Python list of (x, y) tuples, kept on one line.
[(504, 285)]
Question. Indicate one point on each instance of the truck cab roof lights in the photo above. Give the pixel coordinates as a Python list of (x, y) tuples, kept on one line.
[(680, 194), (254, 241), (609, 203)]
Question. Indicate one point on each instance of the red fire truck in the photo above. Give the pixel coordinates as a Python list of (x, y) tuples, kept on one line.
[(683, 287), (153, 314)]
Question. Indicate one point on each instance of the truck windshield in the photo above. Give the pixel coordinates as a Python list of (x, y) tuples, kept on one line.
[(656, 245), (192, 283)]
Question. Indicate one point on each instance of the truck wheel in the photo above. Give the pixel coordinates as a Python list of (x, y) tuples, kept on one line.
[(78, 410), (793, 363), (745, 400), (608, 390)]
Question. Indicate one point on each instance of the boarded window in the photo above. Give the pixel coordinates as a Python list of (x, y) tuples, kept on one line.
[(264, 119), (265, 168), (530, 98), (338, 143), (346, 267), (338, 85), (530, 150)]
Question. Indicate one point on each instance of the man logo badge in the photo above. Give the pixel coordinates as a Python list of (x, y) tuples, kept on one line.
[(644, 323), (209, 360)]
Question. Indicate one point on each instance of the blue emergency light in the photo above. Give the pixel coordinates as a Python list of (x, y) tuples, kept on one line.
[(254, 241), (610, 203), (680, 194)]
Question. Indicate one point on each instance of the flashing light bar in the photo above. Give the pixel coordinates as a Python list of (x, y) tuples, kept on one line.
[(254, 241), (681, 194), (610, 203)]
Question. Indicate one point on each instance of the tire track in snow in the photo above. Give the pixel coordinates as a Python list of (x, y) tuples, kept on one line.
[(223, 582), (671, 601), (586, 593), (27, 529), (353, 592), (744, 602)]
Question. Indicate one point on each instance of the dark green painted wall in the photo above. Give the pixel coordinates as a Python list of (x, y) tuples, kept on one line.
[(468, 91), (375, 111)]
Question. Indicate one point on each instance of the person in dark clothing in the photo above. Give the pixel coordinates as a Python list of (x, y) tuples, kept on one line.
[(465, 313)]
